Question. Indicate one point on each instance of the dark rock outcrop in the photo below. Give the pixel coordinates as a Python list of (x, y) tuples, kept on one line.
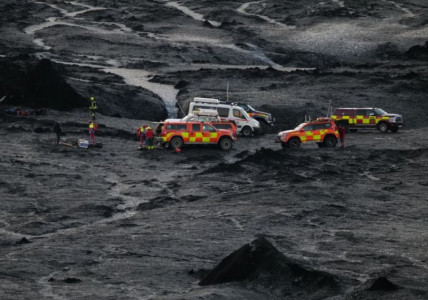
[(41, 86), (382, 284), (259, 263), (418, 52)]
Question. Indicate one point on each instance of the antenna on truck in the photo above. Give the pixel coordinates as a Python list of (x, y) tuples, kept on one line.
[(329, 110), (227, 91)]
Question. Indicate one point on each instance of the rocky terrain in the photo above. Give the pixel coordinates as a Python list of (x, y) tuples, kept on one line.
[(257, 222)]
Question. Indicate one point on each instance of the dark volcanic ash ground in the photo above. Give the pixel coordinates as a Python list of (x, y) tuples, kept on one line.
[(257, 222)]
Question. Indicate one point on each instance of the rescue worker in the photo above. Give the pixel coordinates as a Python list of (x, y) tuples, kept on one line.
[(92, 129), (342, 133), (141, 133), (150, 137), (57, 130), (93, 108)]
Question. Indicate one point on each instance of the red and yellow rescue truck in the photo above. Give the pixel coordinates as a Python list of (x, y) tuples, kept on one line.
[(323, 131), (354, 118), (177, 133)]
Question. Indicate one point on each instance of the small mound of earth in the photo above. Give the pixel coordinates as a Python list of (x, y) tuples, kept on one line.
[(382, 284), (381, 288), (418, 52), (260, 264)]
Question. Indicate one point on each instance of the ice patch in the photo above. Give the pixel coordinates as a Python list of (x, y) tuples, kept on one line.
[(39, 42), (339, 3), (194, 15), (142, 78)]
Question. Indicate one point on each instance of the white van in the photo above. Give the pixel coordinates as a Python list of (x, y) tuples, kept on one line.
[(228, 112)]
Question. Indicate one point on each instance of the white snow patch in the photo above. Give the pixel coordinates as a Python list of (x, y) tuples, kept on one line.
[(194, 15)]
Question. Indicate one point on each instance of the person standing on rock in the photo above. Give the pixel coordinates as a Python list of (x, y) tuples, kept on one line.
[(92, 128), (150, 137), (57, 130), (93, 108)]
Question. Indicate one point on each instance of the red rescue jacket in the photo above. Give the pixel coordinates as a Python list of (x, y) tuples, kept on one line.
[(149, 134)]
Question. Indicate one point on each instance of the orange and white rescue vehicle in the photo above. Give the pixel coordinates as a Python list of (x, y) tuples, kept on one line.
[(322, 131), (178, 133)]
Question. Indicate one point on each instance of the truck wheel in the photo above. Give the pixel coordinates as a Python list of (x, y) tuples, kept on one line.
[(321, 145), (330, 141), (284, 145), (226, 144), (246, 131), (294, 143), (383, 127), (176, 142)]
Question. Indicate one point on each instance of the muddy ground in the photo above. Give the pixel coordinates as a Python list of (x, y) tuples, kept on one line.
[(257, 222)]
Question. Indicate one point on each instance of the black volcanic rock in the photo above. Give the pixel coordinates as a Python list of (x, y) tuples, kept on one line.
[(41, 86), (382, 284), (47, 88), (260, 263), (418, 52)]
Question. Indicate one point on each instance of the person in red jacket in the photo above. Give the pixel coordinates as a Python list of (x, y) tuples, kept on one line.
[(92, 128), (141, 133), (150, 137)]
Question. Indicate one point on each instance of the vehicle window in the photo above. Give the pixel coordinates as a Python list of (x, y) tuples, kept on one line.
[(371, 112), (380, 112), (199, 107), (176, 127), (300, 126), (196, 127), (308, 128), (250, 108), (238, 114), (223, 126), (320, 126), (342, 112), (223, 112), (207, 127), (362, 112), (245, 107)]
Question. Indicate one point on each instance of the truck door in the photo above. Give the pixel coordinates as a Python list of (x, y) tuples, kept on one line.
[(239, 118), (362, 117), (195, 135), (372, 117), (209, 134)]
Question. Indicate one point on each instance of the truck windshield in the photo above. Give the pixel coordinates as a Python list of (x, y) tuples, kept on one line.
[(250, 108), (380, 112), (300, 126)]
